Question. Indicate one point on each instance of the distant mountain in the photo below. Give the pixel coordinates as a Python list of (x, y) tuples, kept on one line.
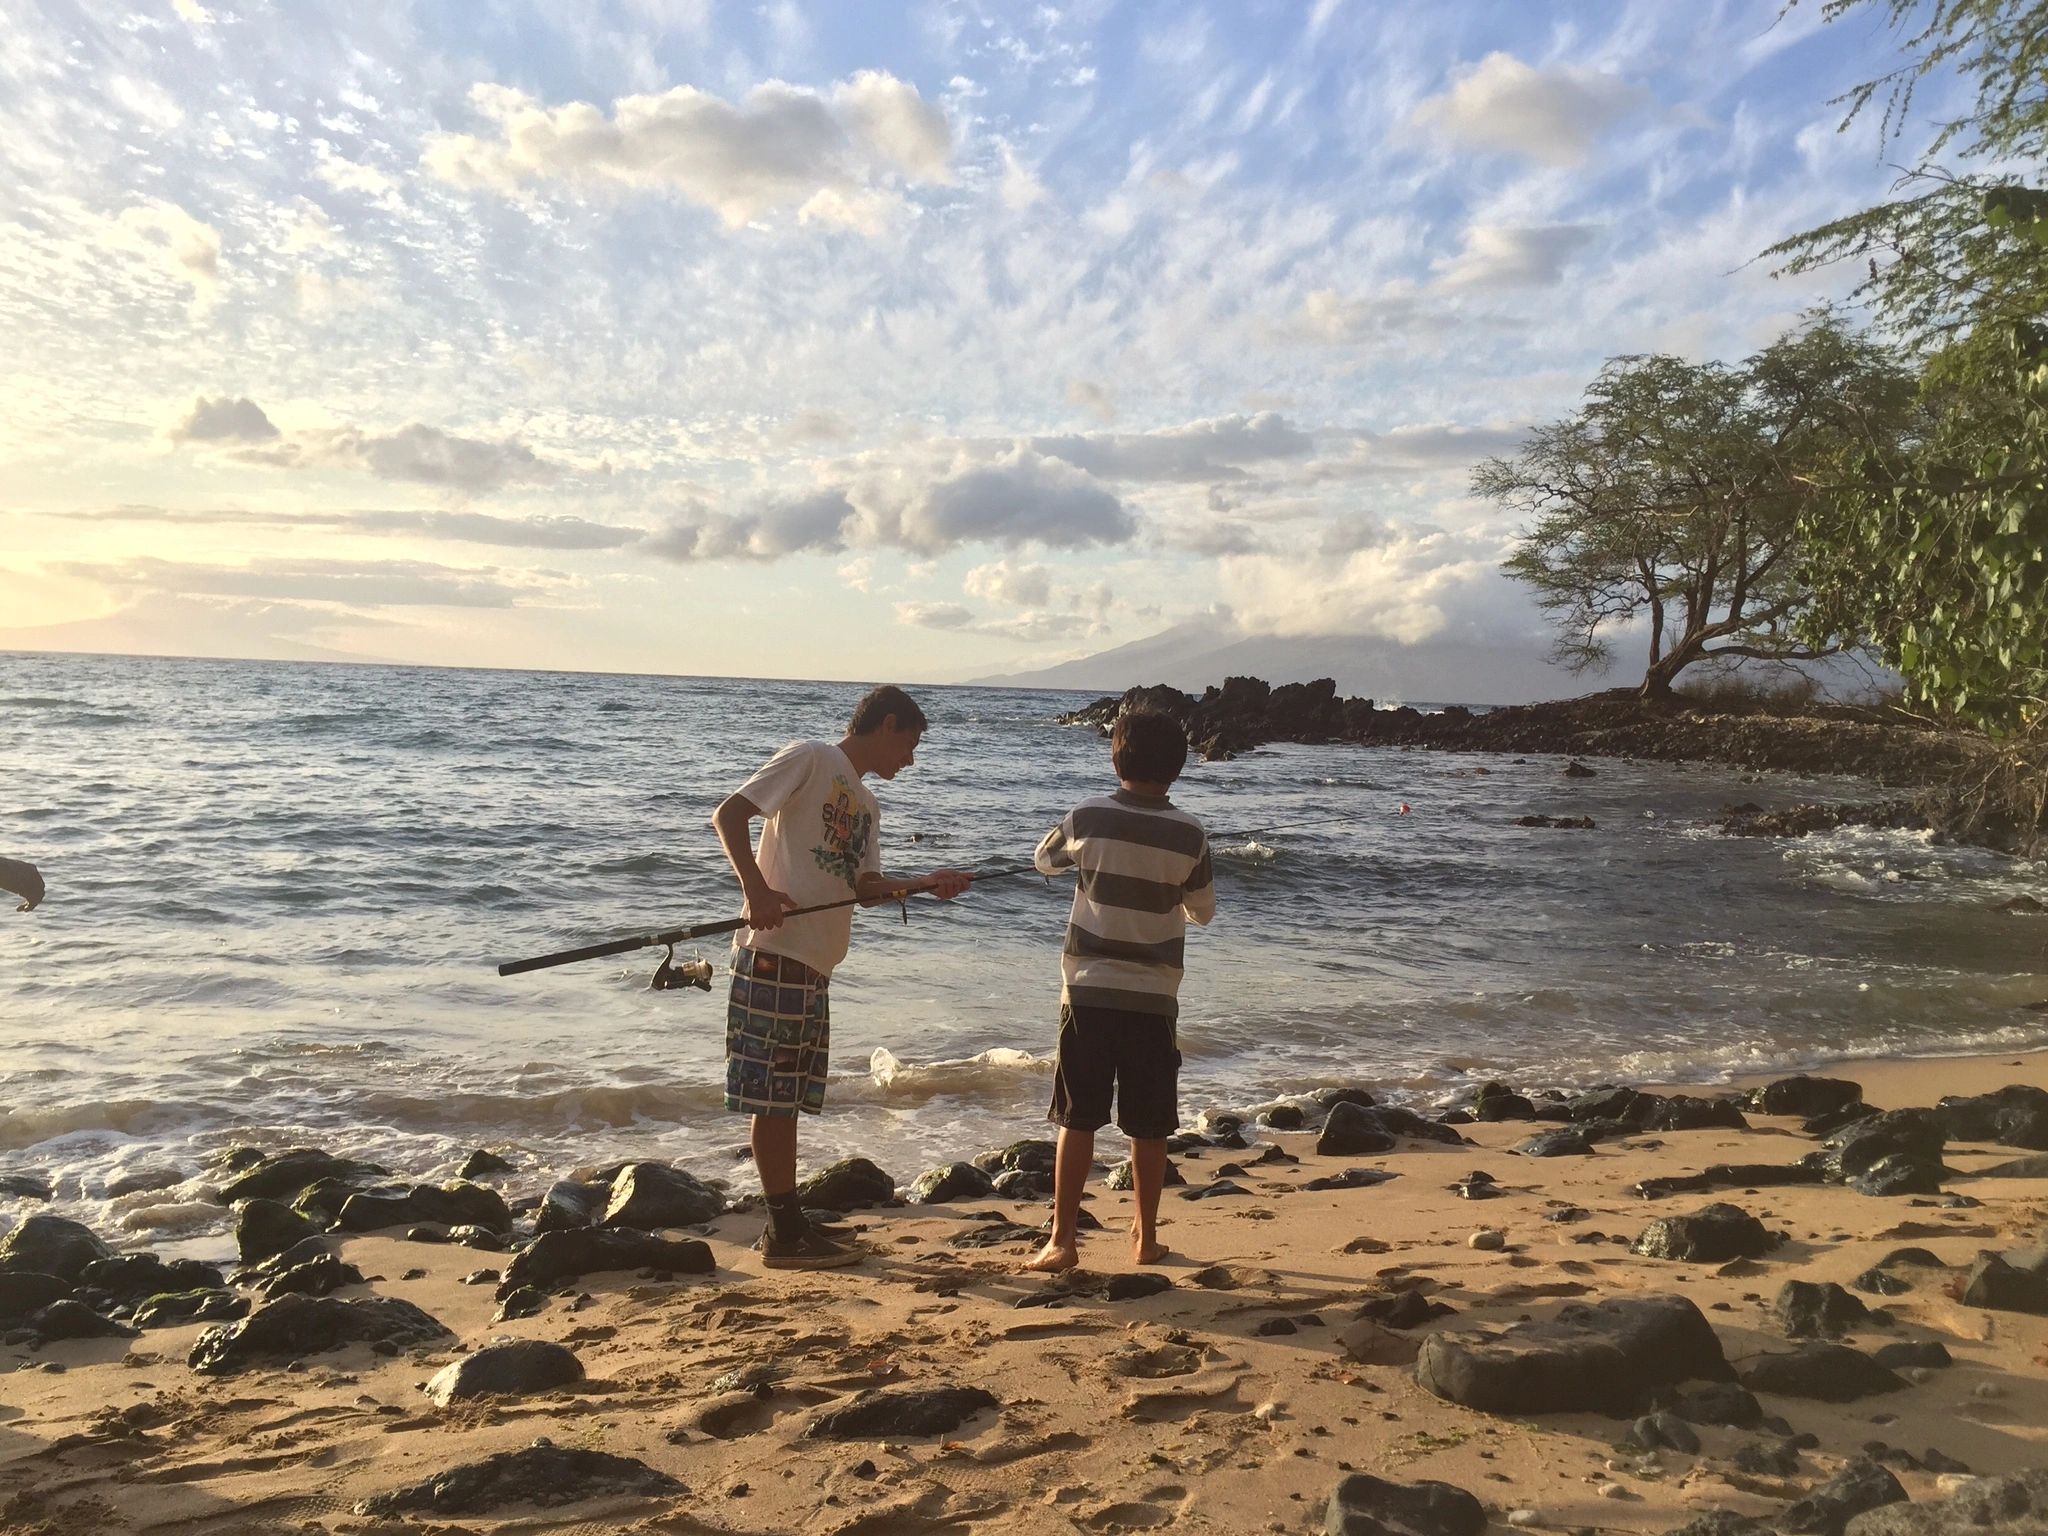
[(1191, 656)]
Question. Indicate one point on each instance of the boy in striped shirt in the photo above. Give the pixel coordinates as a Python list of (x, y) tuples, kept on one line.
[(1143, 867)]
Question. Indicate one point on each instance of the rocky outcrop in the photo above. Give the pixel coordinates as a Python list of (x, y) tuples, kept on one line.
[(51, 1245), (1712, 1235), (1828, 1373), (1364, 1505), (851, 1184), (894, 1413), (556, 1256), (652, 1195)]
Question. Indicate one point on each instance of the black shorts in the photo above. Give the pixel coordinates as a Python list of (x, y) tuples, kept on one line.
[(1113, 1051)]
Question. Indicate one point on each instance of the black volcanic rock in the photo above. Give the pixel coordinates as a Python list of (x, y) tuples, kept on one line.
[(295, 1326), (1861, 1485), (653, 1195), (1711, 1235), (542, 1474), (1806, 1097), (513, 1369), (1829, 1373), (1806, 1310), (852, 1184), (51, 1245), (1364, 1505), (555, 1256), (893, 1413), (286, 1175), (2016, 1115), (1609, 1357), (453, 1204)]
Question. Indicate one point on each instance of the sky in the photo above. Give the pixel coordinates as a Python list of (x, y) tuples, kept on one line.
[(852, 340)]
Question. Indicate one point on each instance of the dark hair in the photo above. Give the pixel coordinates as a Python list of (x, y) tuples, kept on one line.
[(1148, 747), (878, 704)]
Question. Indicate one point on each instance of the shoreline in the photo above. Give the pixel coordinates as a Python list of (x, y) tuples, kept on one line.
[(1238, 1397)]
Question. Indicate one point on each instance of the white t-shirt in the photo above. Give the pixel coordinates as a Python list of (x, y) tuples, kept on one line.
[(822, 829)]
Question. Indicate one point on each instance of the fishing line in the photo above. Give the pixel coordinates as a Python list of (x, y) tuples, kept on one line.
[(673, 974)]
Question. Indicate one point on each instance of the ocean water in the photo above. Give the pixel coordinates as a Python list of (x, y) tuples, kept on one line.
[(278, 894)]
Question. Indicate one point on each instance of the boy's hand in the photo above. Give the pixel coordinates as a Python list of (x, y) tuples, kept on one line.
[(945, 883), (765, 907)]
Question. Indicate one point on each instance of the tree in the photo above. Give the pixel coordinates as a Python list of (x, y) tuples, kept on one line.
[(1936, 550), (1673, 497)]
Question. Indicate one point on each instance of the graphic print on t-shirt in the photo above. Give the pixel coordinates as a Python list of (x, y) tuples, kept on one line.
[(847, 830)]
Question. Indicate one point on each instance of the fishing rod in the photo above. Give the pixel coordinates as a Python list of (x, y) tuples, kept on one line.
[(697, 973)]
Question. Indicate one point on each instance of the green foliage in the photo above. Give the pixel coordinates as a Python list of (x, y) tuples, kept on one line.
[(1672, 499), (1940, 554), (1936, 550)]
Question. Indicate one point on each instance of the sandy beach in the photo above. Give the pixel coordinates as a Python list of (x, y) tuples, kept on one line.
[(1236, 1398)]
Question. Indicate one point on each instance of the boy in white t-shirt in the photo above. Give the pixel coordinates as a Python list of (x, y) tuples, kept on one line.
[(819, 843)]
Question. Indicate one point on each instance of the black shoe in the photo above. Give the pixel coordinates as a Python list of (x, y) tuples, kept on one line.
[(810, 1251)]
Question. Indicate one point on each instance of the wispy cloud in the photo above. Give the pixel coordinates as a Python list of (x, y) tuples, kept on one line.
[(1504, 105)]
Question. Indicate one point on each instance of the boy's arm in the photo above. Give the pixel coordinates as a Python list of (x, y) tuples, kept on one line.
[(1054, 853), (1198, 895), (764, 905)]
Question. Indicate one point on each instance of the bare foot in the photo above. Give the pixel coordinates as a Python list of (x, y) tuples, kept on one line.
[(1147, 1253), (1054, 1257)]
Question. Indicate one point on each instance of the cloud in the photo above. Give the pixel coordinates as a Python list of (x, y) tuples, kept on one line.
[(1025, 628), (1409, 585), (1023, 497), (1201, 450), (1020, 185), (934, 615), (1221, 537), (223, 421), (422, 454), (186, 248), (1418, 448), (1092, 398), (858, 574), (831, 155), (1496, 256), (345, 583), (544, 532), (814, 524), (1504, 105), (1017, 586)]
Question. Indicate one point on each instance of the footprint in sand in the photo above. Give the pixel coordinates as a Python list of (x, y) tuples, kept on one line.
[(1184, 1402), (1130, 1517), (740, 1414)]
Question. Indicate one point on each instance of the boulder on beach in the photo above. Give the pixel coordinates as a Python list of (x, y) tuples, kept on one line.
[(1828, 1373), (286, 1175), (1908, 1142), (2017, 1502), (482, 1163), (1713, 1234), (294, 1326), (26, 1291), (893, 1413), (1806, 1096), (1727, 1176), (1861, 1485), (317, 1276), (1035, 1156), (26, 1186), (265, 1227), (1806, 1310), (542, 1473), (176, 1309), (1998, 1285), (556, 1256), (1121, 1177), (1364, 1505), (572, 1203), (513, 1369), (131, 1276), (1608, 1357), (456, 1203), (851, 1184), (653, 1195), (69, 1319), (1355, 1130), (2016, 1115), (955, 1181), (1564, 1141), (51, 1245)]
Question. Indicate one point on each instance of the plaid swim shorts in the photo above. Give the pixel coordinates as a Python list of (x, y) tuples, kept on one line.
[(778, 1036)]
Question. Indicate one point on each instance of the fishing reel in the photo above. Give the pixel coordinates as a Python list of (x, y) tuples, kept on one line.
[(672, 974)]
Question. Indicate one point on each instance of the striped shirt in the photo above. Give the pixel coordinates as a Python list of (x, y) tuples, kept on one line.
[(1144, 871)]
